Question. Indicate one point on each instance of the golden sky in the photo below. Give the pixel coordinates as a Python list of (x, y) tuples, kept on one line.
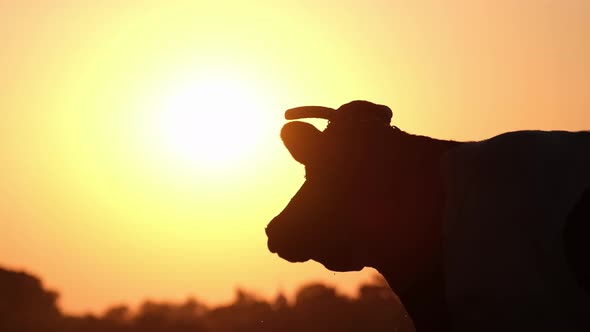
[(100, 193)]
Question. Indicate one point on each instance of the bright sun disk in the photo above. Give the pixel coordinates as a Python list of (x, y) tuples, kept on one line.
[(214, 122)]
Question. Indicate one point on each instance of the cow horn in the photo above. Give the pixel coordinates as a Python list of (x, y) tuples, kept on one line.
[(303, 112)]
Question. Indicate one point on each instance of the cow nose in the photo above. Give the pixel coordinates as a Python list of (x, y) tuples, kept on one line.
[(270, 227), (266, 230), (271, 242)]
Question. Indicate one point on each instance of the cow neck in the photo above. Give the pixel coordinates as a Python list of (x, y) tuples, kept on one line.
[(422, 289)]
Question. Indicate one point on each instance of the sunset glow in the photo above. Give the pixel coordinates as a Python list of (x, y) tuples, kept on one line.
[(140, 155), (212, 121)]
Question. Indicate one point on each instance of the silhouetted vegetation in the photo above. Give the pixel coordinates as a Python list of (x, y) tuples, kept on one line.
[(26, 306)]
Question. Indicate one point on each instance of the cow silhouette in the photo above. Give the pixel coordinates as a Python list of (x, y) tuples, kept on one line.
[(472, 236)]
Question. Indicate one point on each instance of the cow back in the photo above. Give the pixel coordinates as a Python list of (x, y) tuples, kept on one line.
[(508, 201)]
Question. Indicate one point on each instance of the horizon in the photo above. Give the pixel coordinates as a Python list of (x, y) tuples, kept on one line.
[(107, 190), (24, 295), (290, 299)]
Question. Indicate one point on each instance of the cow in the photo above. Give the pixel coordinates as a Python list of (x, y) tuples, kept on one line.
[(471, 236)]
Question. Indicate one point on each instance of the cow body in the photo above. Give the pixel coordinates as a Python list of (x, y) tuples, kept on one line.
[(469, 235), (508, 202)]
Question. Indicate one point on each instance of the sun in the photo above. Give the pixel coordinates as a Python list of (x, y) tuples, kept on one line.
[(214, 121)]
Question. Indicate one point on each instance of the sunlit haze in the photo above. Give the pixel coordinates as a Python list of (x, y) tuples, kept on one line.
[(139, 140), (213, 120)]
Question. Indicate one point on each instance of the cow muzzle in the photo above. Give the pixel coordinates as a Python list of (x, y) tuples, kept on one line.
[(284, 243)]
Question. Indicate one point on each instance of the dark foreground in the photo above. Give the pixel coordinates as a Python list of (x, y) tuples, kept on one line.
[(26, 306)]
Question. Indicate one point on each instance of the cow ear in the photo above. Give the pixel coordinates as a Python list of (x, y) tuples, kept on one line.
[(301, 139)]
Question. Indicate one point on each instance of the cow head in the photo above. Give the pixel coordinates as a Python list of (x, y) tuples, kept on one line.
[(354, 188)]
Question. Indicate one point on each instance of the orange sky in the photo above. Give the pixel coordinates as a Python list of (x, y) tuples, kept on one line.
[(94, 202)]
